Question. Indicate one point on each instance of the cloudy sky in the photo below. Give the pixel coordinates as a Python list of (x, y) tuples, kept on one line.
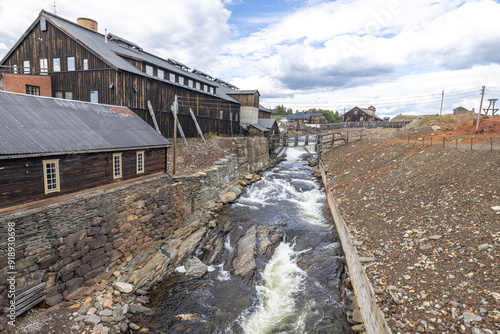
[(398, 55)]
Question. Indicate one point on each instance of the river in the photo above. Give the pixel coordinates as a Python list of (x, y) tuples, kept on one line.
[(295, 287)]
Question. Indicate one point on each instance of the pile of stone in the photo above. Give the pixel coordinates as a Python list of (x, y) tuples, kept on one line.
[(110, 308)]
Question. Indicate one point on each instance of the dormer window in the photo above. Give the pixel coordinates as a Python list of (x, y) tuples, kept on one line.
[(181, 80), (149, 70), (198, 85), (161, 74), (190, 83), (171, 77)]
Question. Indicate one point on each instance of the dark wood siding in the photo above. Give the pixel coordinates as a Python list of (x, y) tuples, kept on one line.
[(247, 100), (358, 115), (23, 181), (50, 44), (264, 114)]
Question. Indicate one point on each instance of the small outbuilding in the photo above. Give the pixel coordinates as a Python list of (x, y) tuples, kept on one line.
[(50, 147), (460, 110)]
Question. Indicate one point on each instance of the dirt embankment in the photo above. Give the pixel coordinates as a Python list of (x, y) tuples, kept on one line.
[(429, 217)]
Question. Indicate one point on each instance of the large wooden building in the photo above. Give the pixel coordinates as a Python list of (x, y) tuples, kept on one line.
[(50, 147), (86, 65)]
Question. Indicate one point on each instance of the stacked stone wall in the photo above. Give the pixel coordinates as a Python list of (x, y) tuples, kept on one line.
[(81, 241)]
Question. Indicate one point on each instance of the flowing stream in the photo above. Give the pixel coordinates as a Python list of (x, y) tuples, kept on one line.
[(295, 287)]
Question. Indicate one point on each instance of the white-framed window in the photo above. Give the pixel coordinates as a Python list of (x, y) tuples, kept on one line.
[(221, 114), (85, 64), (355, 112), (68, 95), (57, 64), (205, 88), (71, 63), (190, 83), (117, 166), (161, 74), (32, 90), (26, 67), (94, 96), (149, 70), (15, 68), (140, 162), (58, 95), (51, 175), (181, 80), (44, 66), (171, 77), (212, 90), (198, 85)]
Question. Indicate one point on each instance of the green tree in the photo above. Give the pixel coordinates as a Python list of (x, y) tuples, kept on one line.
[(332, 117)]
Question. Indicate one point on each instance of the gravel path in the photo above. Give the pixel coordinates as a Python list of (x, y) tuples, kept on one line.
[(429, 217)]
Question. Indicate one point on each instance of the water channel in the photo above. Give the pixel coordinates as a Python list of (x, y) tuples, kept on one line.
[(295, 287)]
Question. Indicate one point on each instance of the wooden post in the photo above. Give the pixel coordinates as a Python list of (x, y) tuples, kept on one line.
[(174, 111), (471, 143), (197, 125), (480, 108), (491, 143), (443, 142), (152, 113), (442, 99)]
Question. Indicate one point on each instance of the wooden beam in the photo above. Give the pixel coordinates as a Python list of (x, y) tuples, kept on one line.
[(197, 125), (152, 113)]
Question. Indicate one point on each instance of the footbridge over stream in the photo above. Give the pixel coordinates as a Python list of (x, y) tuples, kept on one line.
[(316, 142)]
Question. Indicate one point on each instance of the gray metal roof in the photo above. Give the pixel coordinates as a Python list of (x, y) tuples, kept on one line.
[(115, 55), (40, 125), (303, 115), (267, 122), (259, 127)]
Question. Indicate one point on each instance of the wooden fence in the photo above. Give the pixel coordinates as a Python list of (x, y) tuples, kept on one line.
[(343, 125)]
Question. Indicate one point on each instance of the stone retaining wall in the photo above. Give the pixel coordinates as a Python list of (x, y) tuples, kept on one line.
[(82, 240)]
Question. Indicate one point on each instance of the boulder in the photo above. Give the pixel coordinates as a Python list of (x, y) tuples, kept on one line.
[(123, 287), (194, 267)]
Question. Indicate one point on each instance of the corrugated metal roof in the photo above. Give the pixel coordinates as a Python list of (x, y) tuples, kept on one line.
[(267, 122), (37, 125), (303, 115), (259, 127)]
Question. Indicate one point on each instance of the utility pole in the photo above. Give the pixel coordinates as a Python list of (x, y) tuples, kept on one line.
[(480, 108), (441, 110), (175, 132)]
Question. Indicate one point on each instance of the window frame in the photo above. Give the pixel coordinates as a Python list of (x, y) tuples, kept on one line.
[(44, 66), (58, 67), (66, 95), (26, 69), (171, 77), (150, 70), (85, 64), (73, 62), (32, 90), (141, 165), (15, 68), (181, 80), (46, 179), (115, 175), (90, 95), (56, 93), (162, 75)]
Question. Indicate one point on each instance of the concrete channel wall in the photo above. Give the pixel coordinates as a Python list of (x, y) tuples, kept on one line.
[(373, 317)]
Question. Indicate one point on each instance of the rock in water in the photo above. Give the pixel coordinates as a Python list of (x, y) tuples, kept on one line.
[(244, 262), (195, 267)]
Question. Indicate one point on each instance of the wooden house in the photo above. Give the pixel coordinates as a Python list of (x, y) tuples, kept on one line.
[(265, 127), (460, 110), (50, 147), (308, 118), (86, 65), (357, 114)]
